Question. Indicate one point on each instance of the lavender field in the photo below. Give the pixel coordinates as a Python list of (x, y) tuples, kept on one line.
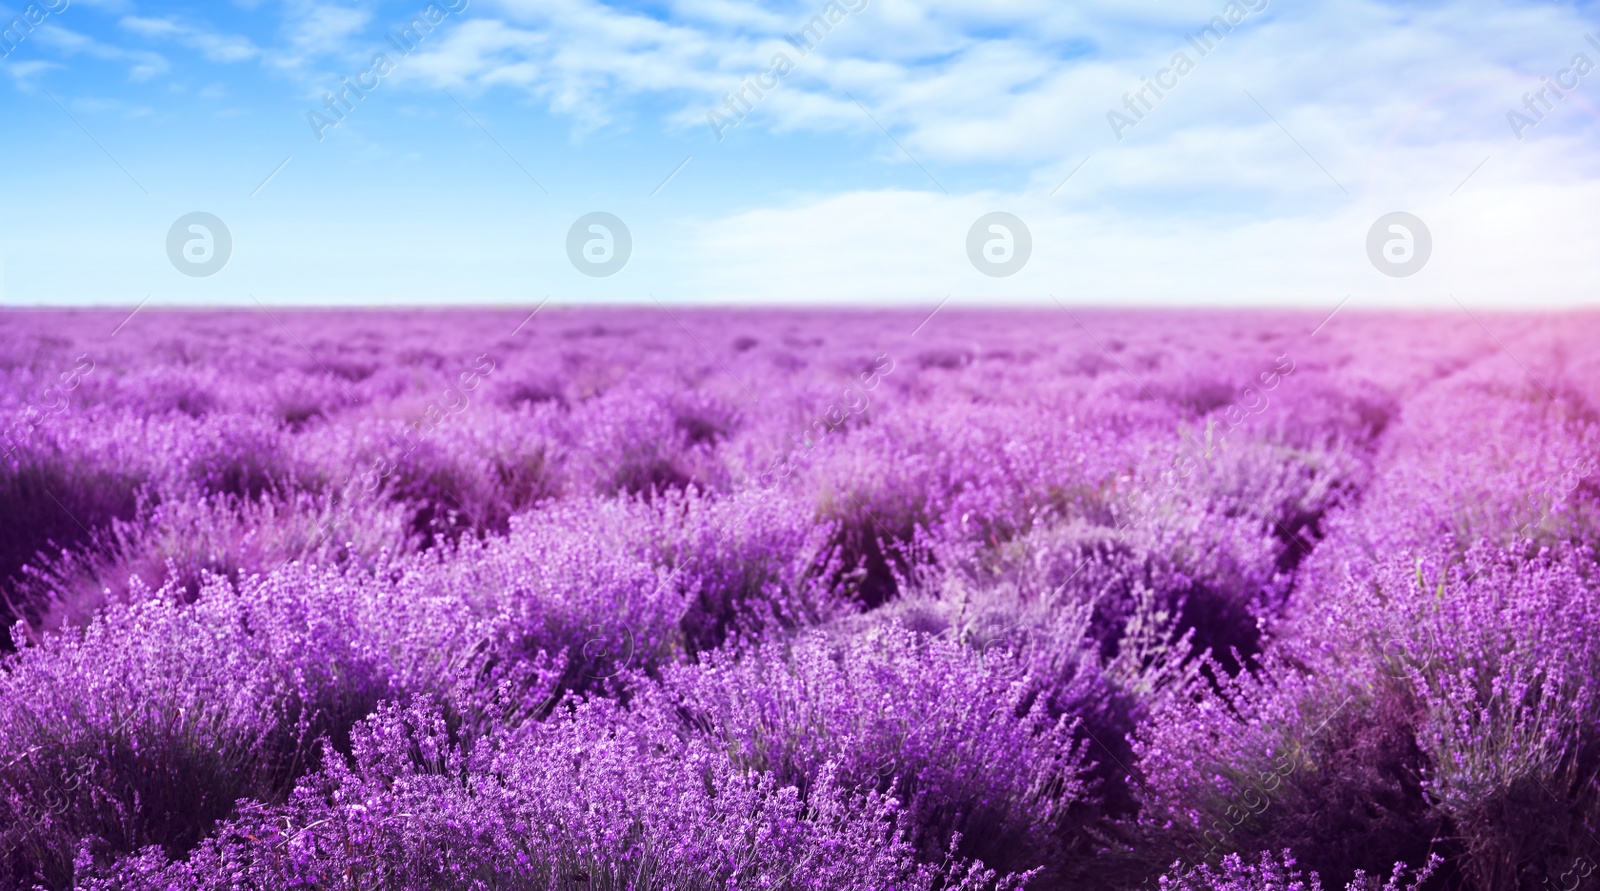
[(743, 599)]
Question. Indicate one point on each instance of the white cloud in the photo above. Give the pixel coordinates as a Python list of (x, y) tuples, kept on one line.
[(1012, 82), (316, 29), (1505, 239), (213, 46), (69, 43)]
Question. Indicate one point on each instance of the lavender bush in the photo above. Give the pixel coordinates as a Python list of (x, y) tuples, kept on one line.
[(798, 601)]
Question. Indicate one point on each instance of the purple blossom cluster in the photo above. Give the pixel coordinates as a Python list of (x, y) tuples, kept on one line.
[(486, 601)]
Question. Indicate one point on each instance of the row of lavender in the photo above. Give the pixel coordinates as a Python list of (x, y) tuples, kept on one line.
[(616, 599)]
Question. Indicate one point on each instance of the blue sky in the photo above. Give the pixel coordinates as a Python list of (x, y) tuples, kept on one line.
[(1252, 178)]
